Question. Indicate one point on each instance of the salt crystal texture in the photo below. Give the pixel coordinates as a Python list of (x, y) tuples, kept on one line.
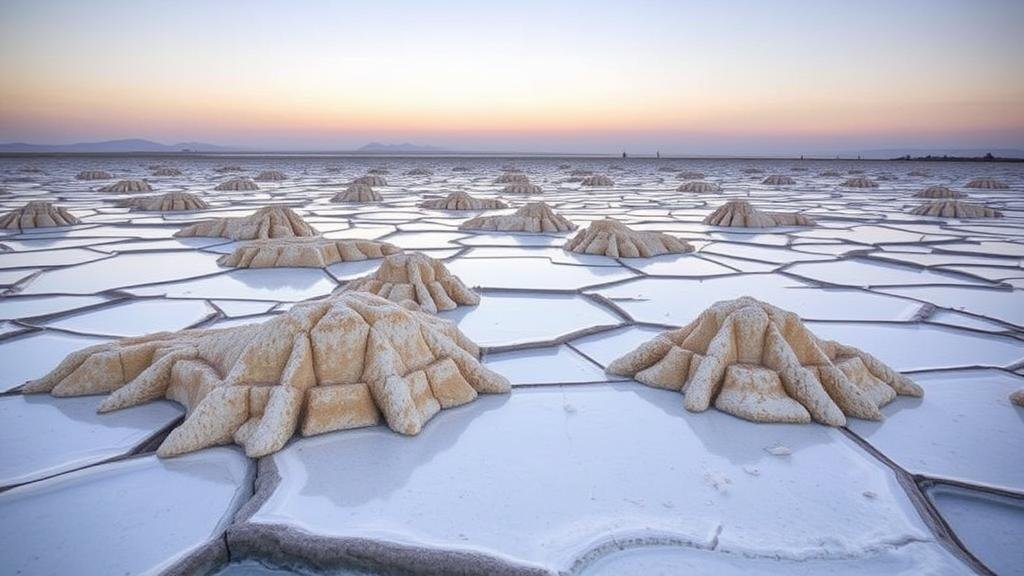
[(128, 186), (237, 185), (613, 238), (416, 281), (955, 209), (463, 201), (740, 214), (267, 222), (304, 252), (37, 214), (532, 217), (169, 202), (358, 192)]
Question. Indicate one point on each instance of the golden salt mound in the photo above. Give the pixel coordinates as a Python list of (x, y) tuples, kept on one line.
[(313, 252), (691, 176), (463, 201), (778, 180), (859, 183), (169, 202), (955, 209), (344, 362), (532, 217), (698, 187), (357, 193), (420, 172), (1018, 397), (613, 238), (987, 184), (166, 172), (37, 214), (416, 281), (128, 186), (939, 192), (267, 222), (510, 178), (371, 180), (93, 175), (521, 188), (758, 362), (740, 214), (271, 176), (237, 185), (597, 180)]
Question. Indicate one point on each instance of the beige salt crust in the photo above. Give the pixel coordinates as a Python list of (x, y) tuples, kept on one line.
[(371, 180), (416, 281), (463, 201), (127, 186), (740, 214), (609, 237), (778, 180), (597, 180), (758, 362), (314, 252), (93, 175), (1018, 397), (357, 193), (169, 202), (333, 364), (987, 184), (267, 222), (521, 188), (166, 172), (510, 178), (698, 187), (237, 185), (532, 217), (37, 214), (271, 176), (939, 192), (859, 183), (955, 209)]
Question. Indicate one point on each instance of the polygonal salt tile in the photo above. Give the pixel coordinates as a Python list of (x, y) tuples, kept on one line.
[(533, 273), (679, 265), (233, 308), (281, 284), (33, 355), (418, 240), (762, 253), (609, 345), (135, 318), (14, 307), (867, 273), (553, 365), (123, 270), (65, 257), (989, 525), (1005, 305)]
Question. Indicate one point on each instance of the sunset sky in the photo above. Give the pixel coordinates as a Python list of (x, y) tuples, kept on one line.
[(684, 77)]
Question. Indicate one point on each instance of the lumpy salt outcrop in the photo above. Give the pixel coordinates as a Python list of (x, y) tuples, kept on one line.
[(371, 179), (127, 186), (314, 252), (609, 237), (522, 188), (597, 181), (534, 217), (334, 364), (169, 202), (93, 175), (357, 193), (698, 187), (741, 214), (267, 222), (761, 363), (37, 214), (237, 185), (987, 184), (461, 200), (271, 176), (939, 192), (416, 281), (778, 180), (955, 209), (859, 182)]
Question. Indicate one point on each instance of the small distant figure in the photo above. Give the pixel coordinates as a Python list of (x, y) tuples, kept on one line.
[(801, 156), (623, 154), (658, 154)]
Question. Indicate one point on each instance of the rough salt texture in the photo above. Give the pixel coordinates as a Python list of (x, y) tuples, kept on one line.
[(420, 172), (521, 188), (416, 281), (304, 252), (859, 183), (93, 175), (267, 222), (371, 180), (169, 202), (613, 238), (357, 193), (463, 201), (37, 214), (326, 365), (987, 184), (166, 172), (1018, 397), (271, 176), (597, 180), (237, 185), (228, 168), (829, 174), (691, 175), (511, 178), (532, 217), (955, 209), (126, 186), (698, 186), (761, 363), (740, 214), (778, 180), (939, 192), (378, 171)]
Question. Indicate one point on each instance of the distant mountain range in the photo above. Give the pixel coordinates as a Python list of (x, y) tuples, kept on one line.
[(377, 147), (126, 145)]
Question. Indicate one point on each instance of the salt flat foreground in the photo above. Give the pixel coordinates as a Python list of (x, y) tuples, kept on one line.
[(576, 471)]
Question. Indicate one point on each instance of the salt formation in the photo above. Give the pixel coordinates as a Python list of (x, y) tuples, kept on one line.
[(829, 174), (378, 171), (166, 172), (371, 180), (691, 176), (237, 185), (169, 202), (271, 176), (760, 363), (859, 183), (267, 222), (463, 201), (955, 209), (420, 172), (613, 238), (919, 173), (753, 171), (93, 175), (128, 186), (1018, 397), (740, 214), (597, 180), (357, 193), (939, 192), (778, 180), (229, 168), (326, 365), (37, 214), (313, 252), (532, 217), (416, 281), (509, 178), (581, 173), (521, 188), (698, 187), (987, 184)]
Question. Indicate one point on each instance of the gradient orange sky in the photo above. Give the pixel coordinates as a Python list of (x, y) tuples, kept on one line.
[(695, 77)]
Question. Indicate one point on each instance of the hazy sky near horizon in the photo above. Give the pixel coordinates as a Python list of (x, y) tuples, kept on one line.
[(747, 76)]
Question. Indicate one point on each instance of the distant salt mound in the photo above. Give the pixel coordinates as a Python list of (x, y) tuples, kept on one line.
[(420, 172), (463, 201), (778, 180), (761, 363), (597, 180), (128, 186), (581, 173), (534, 217), (371, 180), (753, 171), (358, 193), (416, 281), (316, 252), (691, 175), (855, 171), (93, 175), (859, 183), (987, 184), (267, 222), (829, 174), (334, 364), (237, 185), (37, 214), (166, 172), (378, 171), (169, 202), (271, 176), (229, 168), (740, 214), (667, 169), (698, 187), (918, 173), (613, 238), (510, 178), (460, 169), (521, 188), (955, 209), (1018, 397), (939, 192)]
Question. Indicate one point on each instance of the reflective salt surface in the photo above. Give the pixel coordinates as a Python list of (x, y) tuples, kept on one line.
[(989, 525)]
